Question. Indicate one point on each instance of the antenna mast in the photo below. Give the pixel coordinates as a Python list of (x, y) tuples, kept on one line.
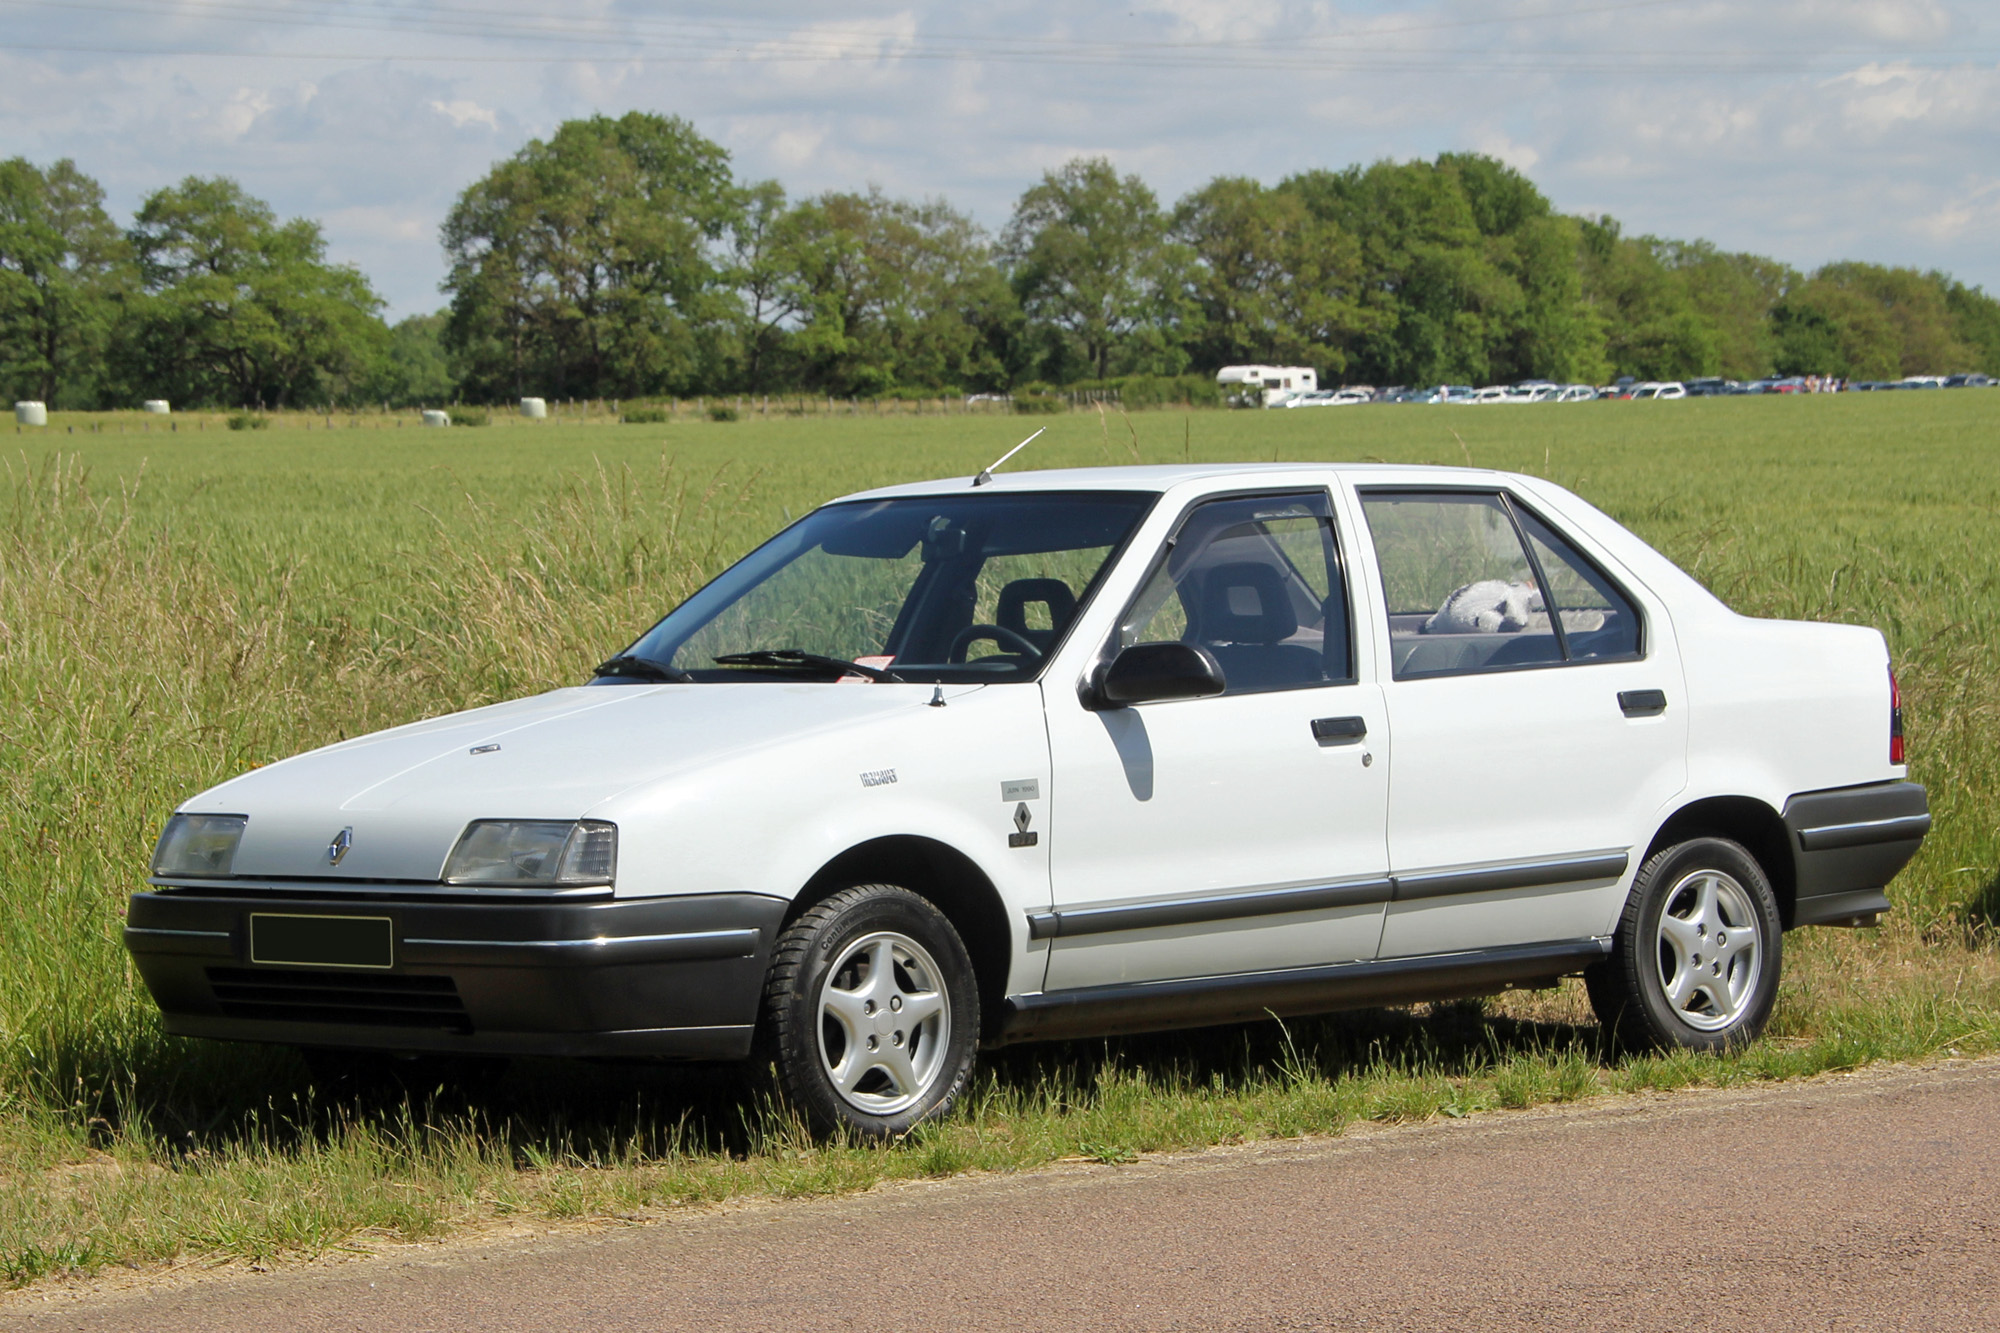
[(986, 473)]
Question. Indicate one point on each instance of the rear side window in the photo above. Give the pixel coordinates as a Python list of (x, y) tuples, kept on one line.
[(1474, 582)]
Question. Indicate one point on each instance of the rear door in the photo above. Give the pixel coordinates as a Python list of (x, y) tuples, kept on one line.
[(1539, 723)]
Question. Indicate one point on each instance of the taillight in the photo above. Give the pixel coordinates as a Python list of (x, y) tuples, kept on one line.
[(1895, 720)]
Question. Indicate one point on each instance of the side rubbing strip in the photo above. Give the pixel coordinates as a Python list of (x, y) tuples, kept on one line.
[(1831, 837), (1522, 875), (1071, 921), (1218, 907)]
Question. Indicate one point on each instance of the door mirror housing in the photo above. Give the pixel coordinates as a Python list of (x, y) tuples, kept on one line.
[(1147, 672)]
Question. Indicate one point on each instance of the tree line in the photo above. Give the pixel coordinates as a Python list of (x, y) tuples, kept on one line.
[(622, 258)]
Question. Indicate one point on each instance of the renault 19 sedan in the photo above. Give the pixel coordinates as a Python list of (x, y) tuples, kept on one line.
[(1070, 753)]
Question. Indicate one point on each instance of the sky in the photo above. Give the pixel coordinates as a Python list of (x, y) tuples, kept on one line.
[(1807, 130)]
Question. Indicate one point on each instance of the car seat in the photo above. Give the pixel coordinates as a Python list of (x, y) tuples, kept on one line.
[(1011, 612), (1246, 616)]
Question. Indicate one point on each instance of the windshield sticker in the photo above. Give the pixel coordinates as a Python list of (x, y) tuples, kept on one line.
[(879, 662)]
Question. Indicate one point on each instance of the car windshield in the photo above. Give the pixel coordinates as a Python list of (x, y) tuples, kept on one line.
[(932, 589)]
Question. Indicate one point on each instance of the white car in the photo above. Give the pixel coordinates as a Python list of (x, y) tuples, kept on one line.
[(1070, 753)]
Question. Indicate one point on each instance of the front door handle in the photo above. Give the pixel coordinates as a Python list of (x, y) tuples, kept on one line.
[(1642, 703), (1335, 730)]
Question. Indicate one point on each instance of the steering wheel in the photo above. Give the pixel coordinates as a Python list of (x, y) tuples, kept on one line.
[(1000, 635)]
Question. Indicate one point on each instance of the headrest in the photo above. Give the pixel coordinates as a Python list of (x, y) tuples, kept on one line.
[(1245, 602), (1012, 610)]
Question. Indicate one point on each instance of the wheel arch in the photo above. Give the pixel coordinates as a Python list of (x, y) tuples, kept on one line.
[(951, 882), (1742, 819)]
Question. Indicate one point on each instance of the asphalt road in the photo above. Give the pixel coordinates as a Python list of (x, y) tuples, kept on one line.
[(1865, 1202)]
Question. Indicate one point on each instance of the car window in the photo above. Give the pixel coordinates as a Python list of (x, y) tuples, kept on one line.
[(1471, 579), (1598, 620), (1256, 580), (967, 587)]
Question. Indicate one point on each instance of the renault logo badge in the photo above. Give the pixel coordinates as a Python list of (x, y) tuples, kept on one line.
[(337, 849)]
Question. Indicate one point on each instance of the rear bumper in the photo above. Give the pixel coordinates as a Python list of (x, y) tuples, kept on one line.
[(672, 978), (1847, 844)]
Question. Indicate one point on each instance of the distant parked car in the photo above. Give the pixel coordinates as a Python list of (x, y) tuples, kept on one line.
[(1968, 381), (1576, 393), (1710, 386), (1492, 393), (1658, 389), (1328, 398)]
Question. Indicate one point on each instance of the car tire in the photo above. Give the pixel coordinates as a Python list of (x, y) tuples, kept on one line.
[(1695, 960), (871, 1014)]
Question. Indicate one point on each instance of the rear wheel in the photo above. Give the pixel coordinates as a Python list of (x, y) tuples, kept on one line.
[(1695, 960), (870, 1012)]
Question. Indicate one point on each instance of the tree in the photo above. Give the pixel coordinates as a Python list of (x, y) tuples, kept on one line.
[(1864, 321), (1437, 302), (238, 308), (1653, 330), (592, 264), (63, 269), (1089, 256), (1735, 294), (412, 368), (893, 292), (1975, 319), (1272, 282)]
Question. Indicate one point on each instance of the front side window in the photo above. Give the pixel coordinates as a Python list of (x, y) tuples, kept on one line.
[(1474, 582), (1255, 580), (937, 588)]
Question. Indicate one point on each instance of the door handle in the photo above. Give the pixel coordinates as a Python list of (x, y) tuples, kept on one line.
[(1334, 730), (1642, 703)]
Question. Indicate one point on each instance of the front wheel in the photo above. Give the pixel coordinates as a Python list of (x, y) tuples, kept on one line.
[(870, 1012), (1695, 960)]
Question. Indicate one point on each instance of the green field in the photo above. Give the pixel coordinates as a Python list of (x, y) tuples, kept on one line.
[(175, 607)]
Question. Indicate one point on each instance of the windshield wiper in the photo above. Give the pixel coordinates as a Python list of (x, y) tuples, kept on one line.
[(643, 668), (794, 657)]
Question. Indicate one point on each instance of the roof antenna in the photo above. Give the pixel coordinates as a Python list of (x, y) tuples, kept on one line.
[(986, 473)]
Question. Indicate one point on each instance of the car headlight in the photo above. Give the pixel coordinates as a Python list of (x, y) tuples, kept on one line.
[(199, 846), (532, 852)]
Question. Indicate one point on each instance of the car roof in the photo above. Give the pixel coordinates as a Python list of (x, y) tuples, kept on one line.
[(1163, 477)]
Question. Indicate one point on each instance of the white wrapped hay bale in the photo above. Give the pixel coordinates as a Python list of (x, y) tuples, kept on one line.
[(157, 406), (433, 417), (31, 414), (535, 409)]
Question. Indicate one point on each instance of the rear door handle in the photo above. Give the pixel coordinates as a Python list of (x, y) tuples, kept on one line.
[(1642, 703), (1334, 730)]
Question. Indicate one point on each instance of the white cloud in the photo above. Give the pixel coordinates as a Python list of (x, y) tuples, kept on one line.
[(241, 111), (464, 111)]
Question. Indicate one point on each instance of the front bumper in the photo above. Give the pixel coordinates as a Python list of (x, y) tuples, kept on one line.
[(672, 978)]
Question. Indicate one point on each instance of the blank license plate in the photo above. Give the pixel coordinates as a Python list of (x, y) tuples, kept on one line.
[(322, 941)]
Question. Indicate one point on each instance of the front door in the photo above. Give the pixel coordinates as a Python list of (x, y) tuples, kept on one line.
[(1241, 832)]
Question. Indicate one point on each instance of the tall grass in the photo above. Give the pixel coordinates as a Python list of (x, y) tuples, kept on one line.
[(173, 611)]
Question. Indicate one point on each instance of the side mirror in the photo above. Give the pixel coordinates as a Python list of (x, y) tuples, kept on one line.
[(1146, 672)]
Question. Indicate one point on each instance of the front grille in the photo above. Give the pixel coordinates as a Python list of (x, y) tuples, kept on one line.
[(374, 999)]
